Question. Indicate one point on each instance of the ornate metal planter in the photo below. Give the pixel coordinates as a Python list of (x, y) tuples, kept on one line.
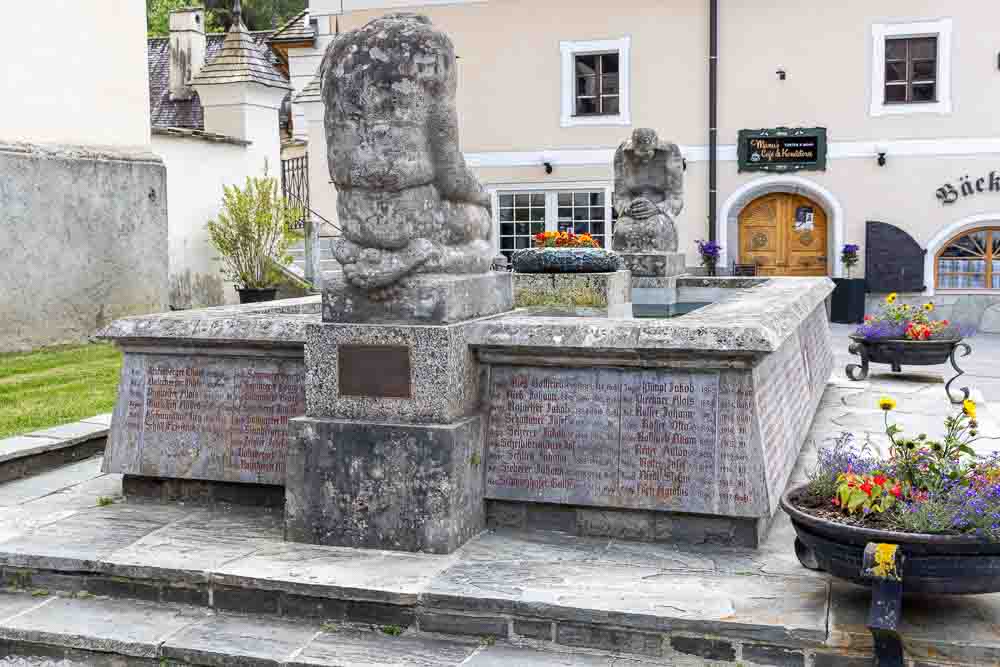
[(893, 563), (899, 352)]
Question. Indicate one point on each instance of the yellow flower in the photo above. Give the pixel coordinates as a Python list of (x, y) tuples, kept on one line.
[(887, 403), (928, 307), (891, 299), (969, 408)]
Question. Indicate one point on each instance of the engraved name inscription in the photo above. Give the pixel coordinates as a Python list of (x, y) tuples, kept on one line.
[(205, 418), (649, 439)]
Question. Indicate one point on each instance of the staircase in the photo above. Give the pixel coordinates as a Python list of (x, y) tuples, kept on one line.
[(326, 260)]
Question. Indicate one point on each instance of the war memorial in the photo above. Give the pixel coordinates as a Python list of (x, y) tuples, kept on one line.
[(431, 447), (419, 406)]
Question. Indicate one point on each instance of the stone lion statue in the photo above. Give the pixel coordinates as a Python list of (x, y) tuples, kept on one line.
[(407, 202)]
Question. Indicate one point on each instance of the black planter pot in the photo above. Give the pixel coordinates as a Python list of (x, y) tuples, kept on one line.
[(848, 306), (251, 295), (899, 352), (893, 563)]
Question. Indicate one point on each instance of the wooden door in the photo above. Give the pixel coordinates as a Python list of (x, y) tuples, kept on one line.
[(784, 235)]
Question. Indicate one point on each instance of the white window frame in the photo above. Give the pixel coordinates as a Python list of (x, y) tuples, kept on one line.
[(551, 191), (880, 33), (569, 51)]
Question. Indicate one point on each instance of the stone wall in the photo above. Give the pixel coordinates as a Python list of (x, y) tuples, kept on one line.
[(83, 241)]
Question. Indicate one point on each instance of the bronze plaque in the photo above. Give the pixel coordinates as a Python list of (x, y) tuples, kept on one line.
[(377, 371)]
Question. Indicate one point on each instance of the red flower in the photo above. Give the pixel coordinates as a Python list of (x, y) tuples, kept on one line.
[(879, 480), (866, 487), (869, 318), (896, 490), (836, 503)]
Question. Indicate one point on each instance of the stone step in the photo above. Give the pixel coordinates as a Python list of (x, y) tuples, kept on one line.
[(652, 602), (88, 630)]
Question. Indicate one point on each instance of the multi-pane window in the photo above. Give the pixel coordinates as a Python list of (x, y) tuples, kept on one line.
[(911, 70), (522, 215), (583, 213), (970, 261), (597, 84)]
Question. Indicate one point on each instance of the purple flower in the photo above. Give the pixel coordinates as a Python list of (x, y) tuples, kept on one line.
[(877, 329), (709, 250), (851, 248)]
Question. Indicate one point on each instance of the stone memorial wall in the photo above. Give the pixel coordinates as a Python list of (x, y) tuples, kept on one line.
[(643, 439), (221, 418), (720, 442)]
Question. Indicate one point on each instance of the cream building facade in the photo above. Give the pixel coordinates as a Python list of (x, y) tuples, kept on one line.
[(915, 81)]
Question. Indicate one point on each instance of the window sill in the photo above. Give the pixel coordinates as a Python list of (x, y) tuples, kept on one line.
[(596, 120), (907, 108)]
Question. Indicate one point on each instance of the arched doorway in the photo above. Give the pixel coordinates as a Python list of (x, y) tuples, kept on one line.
[(784, 234)]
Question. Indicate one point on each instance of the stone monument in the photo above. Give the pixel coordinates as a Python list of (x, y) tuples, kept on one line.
[(389, 454), (649, 195)]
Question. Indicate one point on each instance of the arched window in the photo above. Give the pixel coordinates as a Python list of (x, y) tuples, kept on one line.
[(970, 260)]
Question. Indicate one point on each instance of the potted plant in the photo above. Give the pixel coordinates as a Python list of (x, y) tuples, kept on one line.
[(848, 303), (901, 334), (565, 252), (709, 251), (252, 235), (924, 518)]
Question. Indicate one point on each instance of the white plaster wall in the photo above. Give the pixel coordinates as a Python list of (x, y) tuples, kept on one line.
[(197, 170), (74, 71), (322, 193)]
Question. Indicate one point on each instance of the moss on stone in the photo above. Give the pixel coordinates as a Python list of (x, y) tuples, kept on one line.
[(566, 296)]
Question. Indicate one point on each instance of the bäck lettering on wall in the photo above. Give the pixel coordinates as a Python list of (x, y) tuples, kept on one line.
[(782, 149), (967, 186), (205, 417), (645, 439)]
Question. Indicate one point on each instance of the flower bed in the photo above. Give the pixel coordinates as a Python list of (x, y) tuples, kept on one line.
[(901, 321), (924, 486)]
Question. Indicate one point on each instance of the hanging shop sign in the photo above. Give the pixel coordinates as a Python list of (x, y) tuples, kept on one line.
[(783, 149), (949, 193)]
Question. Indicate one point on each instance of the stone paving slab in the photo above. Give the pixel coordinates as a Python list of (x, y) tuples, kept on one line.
[(234, 640), (103, 419), (355, 648), (197, 544), (355, 574), (73, 432), (26, 445), (112, 626), (781, 609), (81, 541), (23, 490)]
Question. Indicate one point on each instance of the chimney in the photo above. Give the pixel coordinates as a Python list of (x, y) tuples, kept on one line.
[(187, 50)]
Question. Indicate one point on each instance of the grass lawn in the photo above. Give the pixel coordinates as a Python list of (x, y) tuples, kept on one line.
[(56, 385)]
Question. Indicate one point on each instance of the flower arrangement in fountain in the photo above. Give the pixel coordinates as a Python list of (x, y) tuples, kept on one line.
[(564, 240), (923, 485), (902, 320), (849, 257)]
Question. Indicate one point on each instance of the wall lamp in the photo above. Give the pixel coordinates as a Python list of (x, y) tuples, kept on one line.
[(548, 167), (782, 74), (880, 151)]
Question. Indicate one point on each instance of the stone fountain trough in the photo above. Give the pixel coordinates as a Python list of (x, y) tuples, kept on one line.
[(682, 429)]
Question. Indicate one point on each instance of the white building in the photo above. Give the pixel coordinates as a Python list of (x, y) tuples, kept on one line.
[(215, 102), (83, 219)]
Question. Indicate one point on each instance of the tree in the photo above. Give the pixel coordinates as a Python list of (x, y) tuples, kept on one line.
[(257, 14)]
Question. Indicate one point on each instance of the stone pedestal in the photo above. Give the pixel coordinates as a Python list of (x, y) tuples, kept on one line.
[(429, 299), (604, 292), (655, 264), (389, 455), (385, 486)]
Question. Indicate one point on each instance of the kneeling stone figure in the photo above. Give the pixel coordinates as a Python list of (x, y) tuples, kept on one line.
[(407, 202)]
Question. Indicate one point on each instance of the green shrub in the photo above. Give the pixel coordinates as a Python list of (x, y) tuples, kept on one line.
[(254, 231)]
